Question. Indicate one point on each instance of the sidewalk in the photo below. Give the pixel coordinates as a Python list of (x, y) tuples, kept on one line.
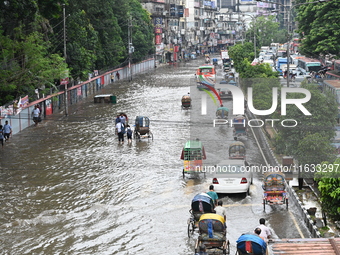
[(308, 198)]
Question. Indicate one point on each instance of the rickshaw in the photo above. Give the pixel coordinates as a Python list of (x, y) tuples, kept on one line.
[(221, 116), (186, 102), (207, 59), (193, 154), (274, 189), (224, 94), (251, 244), (212, 234), (202, 203), (237, 150), (142, 129), (215, 61), (240, 127)]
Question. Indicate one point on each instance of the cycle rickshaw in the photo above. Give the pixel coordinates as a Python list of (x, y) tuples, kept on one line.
[(186, 102), (142, 128), (202, 203), (251, 244), (274, 189), (212, 234)]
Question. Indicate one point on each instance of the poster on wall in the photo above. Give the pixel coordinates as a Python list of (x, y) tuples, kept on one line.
[(158, 39)]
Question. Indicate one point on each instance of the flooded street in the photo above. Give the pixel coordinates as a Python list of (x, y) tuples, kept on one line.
[(68, 187)]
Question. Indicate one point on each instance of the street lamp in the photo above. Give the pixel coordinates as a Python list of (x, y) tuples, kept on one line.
[(289, 12), (254, 20)]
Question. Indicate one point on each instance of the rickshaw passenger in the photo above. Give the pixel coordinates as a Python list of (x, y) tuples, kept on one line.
[(213, 194), (220, 210)]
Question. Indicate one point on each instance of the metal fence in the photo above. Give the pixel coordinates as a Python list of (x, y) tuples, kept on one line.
[(55, 103)]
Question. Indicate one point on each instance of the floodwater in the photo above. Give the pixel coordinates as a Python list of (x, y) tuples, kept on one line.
[(68, 187)]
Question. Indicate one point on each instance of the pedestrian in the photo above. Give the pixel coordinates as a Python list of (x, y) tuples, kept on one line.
[(265, 231), (220, 210), (7, 131), (120, 131), (129, 134), (213, 194), (15, 107), (1, 136), (36, 114), (123, 118), (112, 78), (117, 119), (117, 75)]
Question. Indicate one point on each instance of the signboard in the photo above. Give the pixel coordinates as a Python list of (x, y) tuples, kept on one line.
[(180, 10), (172, 10), (158, 30), (158, 22), (158, 39)]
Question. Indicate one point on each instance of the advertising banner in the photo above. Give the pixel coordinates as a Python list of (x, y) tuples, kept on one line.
[(158, 39), (158, 30), (172, 10)]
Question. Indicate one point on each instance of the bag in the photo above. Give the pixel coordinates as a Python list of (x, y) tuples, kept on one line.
[(122, 128), (129, 132)]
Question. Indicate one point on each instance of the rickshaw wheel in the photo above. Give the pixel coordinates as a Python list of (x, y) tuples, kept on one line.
[(287, 203), (264, 205), (190, 228), (183, 173)]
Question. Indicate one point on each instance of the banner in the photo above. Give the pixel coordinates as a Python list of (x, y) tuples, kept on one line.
[(158, 39), (158, 30), (180, 10), (172, 10), (23, 102)]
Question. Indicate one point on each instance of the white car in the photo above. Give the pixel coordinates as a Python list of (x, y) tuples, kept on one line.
[(232, 176)]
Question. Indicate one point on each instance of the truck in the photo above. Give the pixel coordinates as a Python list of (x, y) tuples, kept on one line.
[(226, 60)]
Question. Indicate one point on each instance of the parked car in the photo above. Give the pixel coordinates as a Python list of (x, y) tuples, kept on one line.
[(232, 176)]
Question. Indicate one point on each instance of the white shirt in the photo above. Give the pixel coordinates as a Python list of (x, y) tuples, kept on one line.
[(265, 232), (220, 211), (36, 112), (119, 127)]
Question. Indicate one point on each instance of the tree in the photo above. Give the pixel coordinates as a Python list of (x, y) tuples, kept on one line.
[(27, 65), (266, 30), (323, 108), (239, 53), (328, 178), (319, 29)]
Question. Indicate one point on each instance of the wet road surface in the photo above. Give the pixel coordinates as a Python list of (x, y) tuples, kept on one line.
[(67, 187)]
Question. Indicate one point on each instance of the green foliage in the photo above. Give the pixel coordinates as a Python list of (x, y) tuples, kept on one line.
[(27, 65), (328, 178), (32, 45), (319, 125), (263, 93), (266, 30), (319, 28), (239, 53)]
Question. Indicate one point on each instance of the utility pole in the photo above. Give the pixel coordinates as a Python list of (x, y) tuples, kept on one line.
[(130, 47), (65, 56)]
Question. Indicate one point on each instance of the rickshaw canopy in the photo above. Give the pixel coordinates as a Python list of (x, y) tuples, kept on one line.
[(222, 112), (202, 202), (194, 145), (251, 243), (212, 216)]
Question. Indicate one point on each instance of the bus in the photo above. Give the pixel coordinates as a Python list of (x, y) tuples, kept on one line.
[(332, 86), (279, 63), (307, 65), (206, 75), (334, 74)]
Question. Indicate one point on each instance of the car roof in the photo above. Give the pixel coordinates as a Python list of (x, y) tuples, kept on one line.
[(232, 162)]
